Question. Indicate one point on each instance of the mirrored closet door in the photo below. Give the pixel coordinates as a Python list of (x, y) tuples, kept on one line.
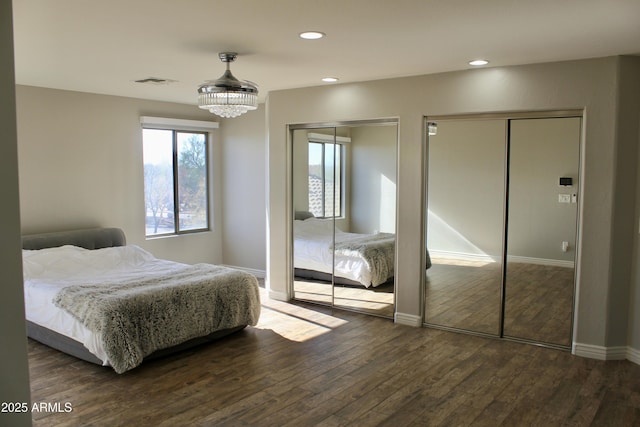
[(542, 222), (344, 203), (502, 225), (465, 224)]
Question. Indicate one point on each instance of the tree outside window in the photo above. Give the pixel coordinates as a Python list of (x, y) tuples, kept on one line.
[(175, 181)]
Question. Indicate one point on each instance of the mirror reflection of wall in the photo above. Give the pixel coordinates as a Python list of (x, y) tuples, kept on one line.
[(494, 194), (337, 234), (542, 216), (373, 179), (465, 224)]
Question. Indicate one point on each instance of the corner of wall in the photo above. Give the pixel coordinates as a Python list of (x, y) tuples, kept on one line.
[(14, 369), (408, 319), (633, 355), (601, 353), (278, 296)]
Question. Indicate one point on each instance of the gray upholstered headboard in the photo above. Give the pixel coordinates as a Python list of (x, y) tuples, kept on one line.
[(91, 238)]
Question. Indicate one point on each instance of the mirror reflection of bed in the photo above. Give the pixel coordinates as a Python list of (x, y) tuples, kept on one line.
[(344, 199)]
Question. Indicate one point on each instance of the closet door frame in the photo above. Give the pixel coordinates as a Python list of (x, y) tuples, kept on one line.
[(291, 128), (508, 117)]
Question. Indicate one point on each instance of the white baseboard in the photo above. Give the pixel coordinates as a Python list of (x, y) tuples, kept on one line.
[(602, 353), (540, 261), (633, 355), (463, 256), (278, 296), (408, 319), (489, 258), (258, 273)]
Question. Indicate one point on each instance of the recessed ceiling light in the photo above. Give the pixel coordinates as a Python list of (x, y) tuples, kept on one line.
[(330, 79), (478, 62), (311, 35)]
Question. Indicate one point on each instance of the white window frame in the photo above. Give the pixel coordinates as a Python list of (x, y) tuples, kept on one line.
[(182, 125)]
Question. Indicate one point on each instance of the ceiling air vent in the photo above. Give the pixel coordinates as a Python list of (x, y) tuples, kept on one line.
[(155, 81)]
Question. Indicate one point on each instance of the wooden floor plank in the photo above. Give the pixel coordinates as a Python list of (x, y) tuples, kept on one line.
[(306, 365)]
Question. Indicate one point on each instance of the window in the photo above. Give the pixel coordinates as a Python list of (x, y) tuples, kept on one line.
[(325, 179), (176, 185)]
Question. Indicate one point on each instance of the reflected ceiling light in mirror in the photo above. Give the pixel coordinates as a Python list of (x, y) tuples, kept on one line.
[(311, 35), (478, 62), (329, 79)]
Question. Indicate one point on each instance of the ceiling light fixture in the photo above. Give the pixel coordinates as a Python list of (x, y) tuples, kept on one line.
[(227, 96), (478, 62), (311, 35), (330, 79)]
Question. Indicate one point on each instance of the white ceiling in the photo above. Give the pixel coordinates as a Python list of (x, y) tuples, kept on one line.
[(102, 46)]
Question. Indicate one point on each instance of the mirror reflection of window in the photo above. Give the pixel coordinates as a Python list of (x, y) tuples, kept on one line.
[(325, 179)]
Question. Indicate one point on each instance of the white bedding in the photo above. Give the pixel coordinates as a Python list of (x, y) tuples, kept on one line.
[(46, 271), (313, 243)]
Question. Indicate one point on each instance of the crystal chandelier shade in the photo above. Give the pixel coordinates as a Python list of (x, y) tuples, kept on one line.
[(227, 96)]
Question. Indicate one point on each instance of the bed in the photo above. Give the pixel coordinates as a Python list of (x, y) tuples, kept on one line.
[(90, 295), (360, 259)]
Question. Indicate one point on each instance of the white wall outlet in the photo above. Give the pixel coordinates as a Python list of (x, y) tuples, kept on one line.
[(564, 198), (565, 246)]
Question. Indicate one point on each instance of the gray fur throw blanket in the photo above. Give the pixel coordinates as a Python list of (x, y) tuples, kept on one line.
[(377, 251), (136, 318)]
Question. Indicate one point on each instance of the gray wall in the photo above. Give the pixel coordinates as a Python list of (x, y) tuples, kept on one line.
[(629, 131), (14, 373), (300, 172), (80, 158), (243, 190), (373, 179), (467, 160), (589, 84), (542, 151), (466, 188)]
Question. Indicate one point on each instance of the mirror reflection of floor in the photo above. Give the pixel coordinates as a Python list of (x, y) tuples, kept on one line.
[(463, 294), (538, 302), (466, 295), (315, 291), (378, 301)]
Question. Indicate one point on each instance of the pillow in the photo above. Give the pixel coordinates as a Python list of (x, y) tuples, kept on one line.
[(302, 215)]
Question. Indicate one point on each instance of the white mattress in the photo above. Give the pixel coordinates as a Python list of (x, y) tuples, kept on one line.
[(313, 243), (46, 271)]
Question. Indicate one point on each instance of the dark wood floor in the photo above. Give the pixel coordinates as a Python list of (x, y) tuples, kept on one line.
[(466, 295), (306, 365)]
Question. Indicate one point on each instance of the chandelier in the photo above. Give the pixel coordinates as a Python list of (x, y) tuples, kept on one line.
[(227, 96)]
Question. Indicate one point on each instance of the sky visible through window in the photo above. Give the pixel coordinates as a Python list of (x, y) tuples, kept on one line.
[(158, 145), (188, 176)]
